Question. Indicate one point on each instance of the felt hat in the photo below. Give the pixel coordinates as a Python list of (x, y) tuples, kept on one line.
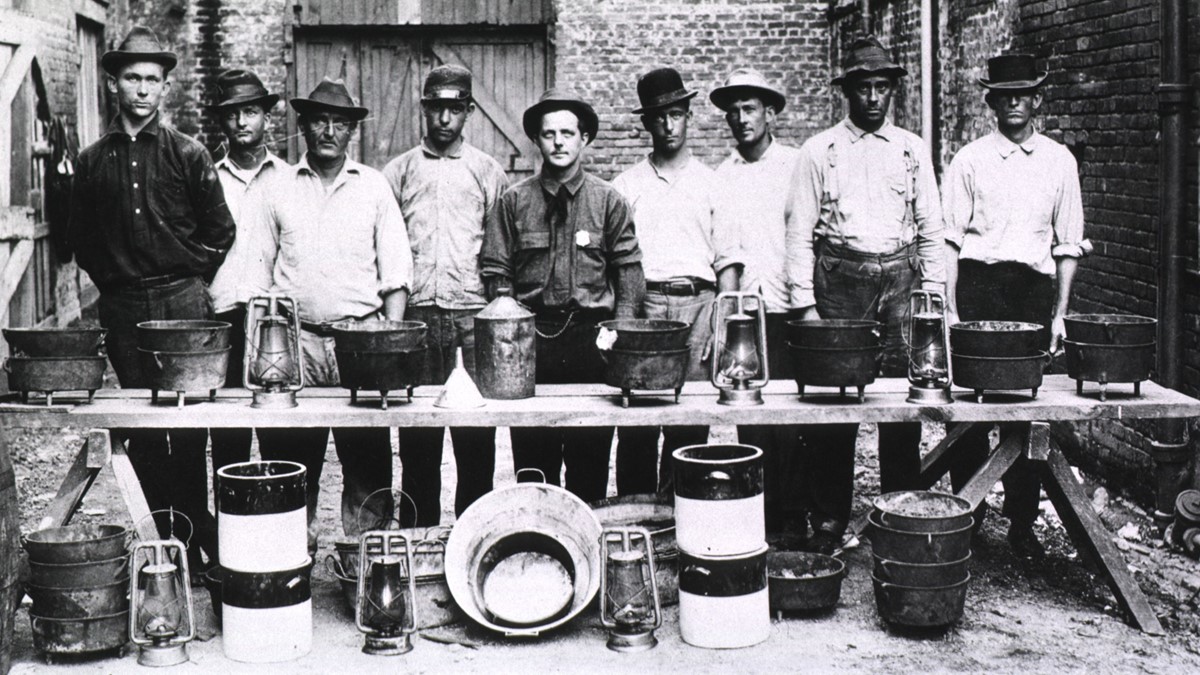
[(332, 96), (141, 44), (447, 82), (867, 56), (240, 87), (560, 99), (1013, 72), (660, 88), (745, 81)]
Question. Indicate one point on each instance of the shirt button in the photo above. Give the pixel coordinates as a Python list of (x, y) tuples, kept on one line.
[(137, 210), (135, 186), (135, 163)]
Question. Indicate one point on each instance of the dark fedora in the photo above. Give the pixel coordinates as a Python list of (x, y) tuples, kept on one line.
[(1013, 71), (447, 82), (141, 44), (867, 56), (660, 88), (240, 87), (560, 99), (331, 96), (743, 82)]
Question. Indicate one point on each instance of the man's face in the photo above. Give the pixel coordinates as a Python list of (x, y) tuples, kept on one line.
[(869, 98), (749, 120), (560, 139), (1014, 109), (327, 134), (139, 88), (444, 120), (668, 126), (244, 125)]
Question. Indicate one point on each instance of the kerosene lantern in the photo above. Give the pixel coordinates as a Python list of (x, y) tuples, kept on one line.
[(928, 349), (629, 602), (274, 368), (739, 364), (161, 616), (385, 603)]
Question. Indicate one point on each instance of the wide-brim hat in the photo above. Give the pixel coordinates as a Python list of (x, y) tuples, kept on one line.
[(660, 88), (141, 44), (743, 82), (330, 95), (242, 87), (1013, 72), (867, 56), (448, 82), (560, 99)]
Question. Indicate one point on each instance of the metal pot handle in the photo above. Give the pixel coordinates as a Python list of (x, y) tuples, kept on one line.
[(334, 566), (697, 569), (530, 468), (191, 526), (1110, 330), (719, 475), (393, 519)]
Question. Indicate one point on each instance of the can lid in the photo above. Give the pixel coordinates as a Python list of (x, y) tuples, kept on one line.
[(1187, 505), (504, 307)]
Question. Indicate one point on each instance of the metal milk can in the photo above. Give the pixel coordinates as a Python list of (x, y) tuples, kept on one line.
[(505, 350)]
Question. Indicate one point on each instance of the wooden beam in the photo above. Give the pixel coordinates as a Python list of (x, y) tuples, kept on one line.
[(1037, 445), (131, 492), (487, 103), (15, 74), (1089, 534), (14, 269), (992, 469), (936, 462), (92, 457)]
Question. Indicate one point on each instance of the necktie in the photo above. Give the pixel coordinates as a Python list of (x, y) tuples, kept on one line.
[(556, 222)]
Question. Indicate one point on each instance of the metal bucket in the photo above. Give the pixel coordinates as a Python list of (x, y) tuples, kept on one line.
[(79, 636), (79, 603), (804, 582), (919, 547), (262, 524), (920, 607), (922, 576), (266, 617), (719, 499), (505, 350), (81, 341), (79, 575), (76, 543), (922, 511), (723, 600), (659, 519), (499, 526)]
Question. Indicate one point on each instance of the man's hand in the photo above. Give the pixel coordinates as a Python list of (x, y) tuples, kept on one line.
[(626, 312), (1058, 333), (809, 313)]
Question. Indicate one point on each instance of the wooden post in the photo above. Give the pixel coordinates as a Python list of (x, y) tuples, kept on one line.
[(92, 457)]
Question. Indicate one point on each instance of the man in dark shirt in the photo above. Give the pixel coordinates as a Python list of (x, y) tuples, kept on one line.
[(148, 225), (562, 243)]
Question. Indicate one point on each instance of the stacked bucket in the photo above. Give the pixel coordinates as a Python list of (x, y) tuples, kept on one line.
[(79, 583), (262, 532), (922, 543), (721, 530)]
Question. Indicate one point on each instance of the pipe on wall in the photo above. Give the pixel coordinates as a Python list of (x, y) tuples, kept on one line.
[(927, 74)]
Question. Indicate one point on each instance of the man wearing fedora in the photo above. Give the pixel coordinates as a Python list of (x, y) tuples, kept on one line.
[(756, 185), (243, 109), (149, 224), (868, 231), (329, 235), (445, 187), (562, 243), (687, 256), (1014, 236)]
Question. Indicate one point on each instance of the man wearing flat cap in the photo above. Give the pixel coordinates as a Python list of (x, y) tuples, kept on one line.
[(149, 224), (1014, 236), (754, 200), (687, 256), (868, 232), (329, 235), (445, 187), (243, 109), (562, 243)]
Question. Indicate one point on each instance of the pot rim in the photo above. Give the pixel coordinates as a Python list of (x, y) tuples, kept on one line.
[(888, 561), (47, 359), (876, 524), (1105, 345), (123, 583), (645, 325), (294, 469), (1112, 319), (646, 352), (756, 454), (32, 537), (193, 352), (1009, 327), (834, 324), (887, 584), (1041, 355), (186, 325), (805, 555), (377, 326), (93, 563), (869, 348)]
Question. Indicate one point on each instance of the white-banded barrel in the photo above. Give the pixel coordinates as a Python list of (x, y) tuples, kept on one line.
[(723, 600), (262, 525), (719, 499), (267, 616)]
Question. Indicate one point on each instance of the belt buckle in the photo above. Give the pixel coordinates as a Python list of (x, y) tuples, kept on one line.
[(682, 286)]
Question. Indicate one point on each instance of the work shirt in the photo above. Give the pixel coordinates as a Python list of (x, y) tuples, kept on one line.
[(147, 206), (228, 288), (445, 201), (754, 200), (675, 226), (568, 265), (1005, 202), (870, 191), (336, 251)]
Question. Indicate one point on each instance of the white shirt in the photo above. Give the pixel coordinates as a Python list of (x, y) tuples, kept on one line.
[(228, 288)]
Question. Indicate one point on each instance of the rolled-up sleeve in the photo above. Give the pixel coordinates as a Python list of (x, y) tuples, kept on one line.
[(622, 244), (1068, 213), (957, 200), (392, 249), (495, 254), (931, 247), (727, 245), (803, 213)]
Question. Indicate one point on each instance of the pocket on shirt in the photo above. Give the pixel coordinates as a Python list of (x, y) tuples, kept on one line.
[(591, 262), (531, 258), (170, 198)]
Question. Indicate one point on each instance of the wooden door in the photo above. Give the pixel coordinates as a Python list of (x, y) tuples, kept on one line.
[(385, 70)]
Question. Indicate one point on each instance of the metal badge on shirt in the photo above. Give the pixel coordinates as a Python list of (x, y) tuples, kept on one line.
[(582, 239)]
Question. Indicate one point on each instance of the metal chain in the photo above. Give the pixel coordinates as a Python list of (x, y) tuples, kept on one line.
[(562, 330)]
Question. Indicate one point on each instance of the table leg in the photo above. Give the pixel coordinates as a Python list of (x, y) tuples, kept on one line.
[(936, 462), (994, 467), (92, 457), (131, 492)]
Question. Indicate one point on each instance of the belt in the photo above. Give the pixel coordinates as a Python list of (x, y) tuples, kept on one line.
[(318, 329), (682, 286), (846, 253), (144, 282)]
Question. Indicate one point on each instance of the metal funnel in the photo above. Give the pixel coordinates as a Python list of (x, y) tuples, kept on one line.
[(460, 390)]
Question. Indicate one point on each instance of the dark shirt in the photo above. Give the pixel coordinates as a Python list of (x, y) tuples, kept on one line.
[(569, 265), (149, 206)]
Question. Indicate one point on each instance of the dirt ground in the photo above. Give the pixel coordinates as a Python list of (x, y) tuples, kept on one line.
[(1022, 616)]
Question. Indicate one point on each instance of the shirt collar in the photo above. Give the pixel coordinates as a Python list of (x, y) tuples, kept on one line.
[(430, 152), (1006, 147), (767, 154), (270, 159), (887, 131), (672, 177), (114, 127), (550, 186), (350, 167)]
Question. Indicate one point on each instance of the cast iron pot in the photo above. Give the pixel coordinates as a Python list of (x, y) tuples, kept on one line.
[(998, 373), (834, 366), (379, 336), (379, 371), (184, 371), (1109, 363), (919, 547), (920, 607), (648, 335), (798, 581), (830, 333), (80, 341), (995, 338), (1110, 329), (79, 575), (183, 335), (76, 543), (79, 636), (647, 371), (916, 575), (922, 511), (79, 603), (55, 373)]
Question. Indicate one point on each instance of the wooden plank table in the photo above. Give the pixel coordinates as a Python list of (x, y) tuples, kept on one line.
[(599, 405)]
